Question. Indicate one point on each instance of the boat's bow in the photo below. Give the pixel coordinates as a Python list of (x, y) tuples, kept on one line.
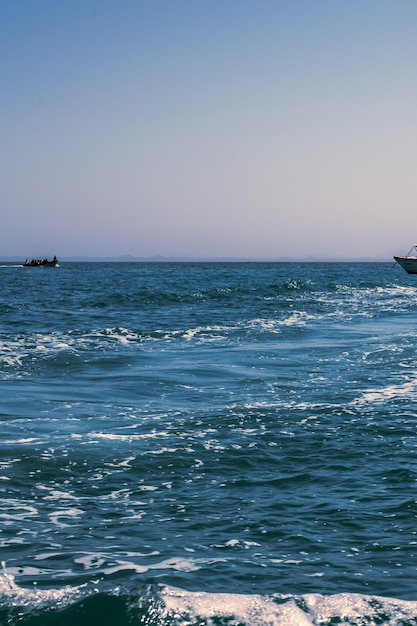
[(408, 262)]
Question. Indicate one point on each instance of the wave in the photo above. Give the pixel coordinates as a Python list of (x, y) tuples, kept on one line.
[(157, 605)]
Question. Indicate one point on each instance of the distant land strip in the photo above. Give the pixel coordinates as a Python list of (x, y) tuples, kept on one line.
[(126, 258)]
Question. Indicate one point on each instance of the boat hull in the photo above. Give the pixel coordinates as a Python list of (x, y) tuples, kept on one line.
[(41, 264), (408, 263)]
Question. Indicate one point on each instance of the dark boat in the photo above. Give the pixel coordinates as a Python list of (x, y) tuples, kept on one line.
[(41, 263), (409, 262)]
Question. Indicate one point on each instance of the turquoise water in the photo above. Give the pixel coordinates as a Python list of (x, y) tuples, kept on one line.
[(208, 444)]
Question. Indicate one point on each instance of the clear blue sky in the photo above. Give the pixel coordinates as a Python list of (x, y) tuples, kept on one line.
[(209, 128)]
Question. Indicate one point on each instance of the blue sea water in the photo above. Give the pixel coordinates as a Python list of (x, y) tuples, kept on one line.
[(208, 444)]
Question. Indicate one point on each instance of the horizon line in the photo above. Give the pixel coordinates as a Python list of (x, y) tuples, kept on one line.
[(157, 258)]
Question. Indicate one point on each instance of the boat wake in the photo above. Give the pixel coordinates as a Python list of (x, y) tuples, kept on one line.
[(163, 605)]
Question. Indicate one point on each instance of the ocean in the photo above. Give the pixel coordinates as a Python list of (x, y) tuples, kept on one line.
[(208, 444)]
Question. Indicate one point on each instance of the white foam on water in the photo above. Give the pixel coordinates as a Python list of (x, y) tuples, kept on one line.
[(389, 392), (359, 609), (55, 494), (191, 608), (298, 318), (13, 595), (130, 437), (12, 511), (96, 561), (254, 610), (12, 353), (16, 352), (206, 333), (280, 610), (68, 514), (179, 564), (233, 543)]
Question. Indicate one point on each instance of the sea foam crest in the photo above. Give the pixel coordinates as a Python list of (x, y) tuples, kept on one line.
[(255, 610), (406, 389), (172, 605), (13, 595), (280, 610)]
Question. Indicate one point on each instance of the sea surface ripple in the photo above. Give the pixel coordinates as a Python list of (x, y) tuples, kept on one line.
[(208, 443)]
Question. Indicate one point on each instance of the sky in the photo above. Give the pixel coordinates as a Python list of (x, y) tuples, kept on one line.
[(208, 128)]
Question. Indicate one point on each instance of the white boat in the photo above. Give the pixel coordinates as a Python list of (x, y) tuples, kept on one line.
[(409, 262)]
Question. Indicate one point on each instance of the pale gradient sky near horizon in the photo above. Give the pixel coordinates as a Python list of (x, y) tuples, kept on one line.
[(208, 128)]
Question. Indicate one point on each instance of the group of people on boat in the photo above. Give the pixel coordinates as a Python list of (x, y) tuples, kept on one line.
[(36, 262)]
